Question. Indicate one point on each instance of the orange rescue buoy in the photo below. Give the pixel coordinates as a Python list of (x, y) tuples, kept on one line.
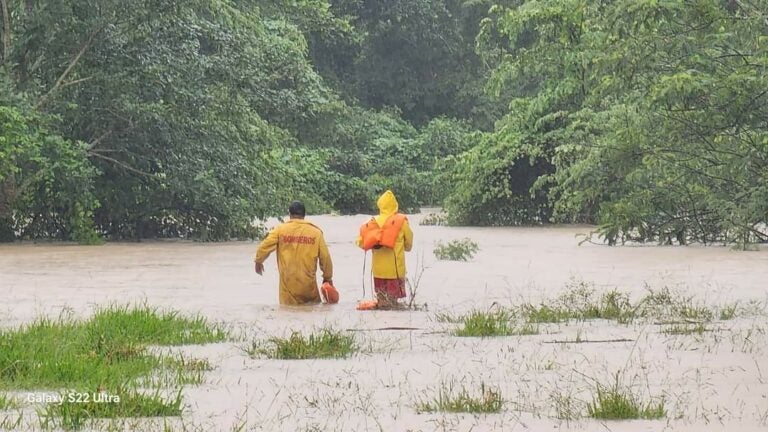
[(367, 304), (329, 293)]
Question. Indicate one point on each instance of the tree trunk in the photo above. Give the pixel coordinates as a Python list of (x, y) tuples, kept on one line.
[(7, 196), (6, 30)]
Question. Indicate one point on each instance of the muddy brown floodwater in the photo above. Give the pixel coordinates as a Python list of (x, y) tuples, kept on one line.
[(714, 381)]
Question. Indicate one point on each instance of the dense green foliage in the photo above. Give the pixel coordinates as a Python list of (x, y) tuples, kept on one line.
[(197, 119), (417, 55), (647, 117), (193, 119)]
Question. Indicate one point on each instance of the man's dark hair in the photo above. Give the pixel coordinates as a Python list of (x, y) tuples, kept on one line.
[(297, 209)]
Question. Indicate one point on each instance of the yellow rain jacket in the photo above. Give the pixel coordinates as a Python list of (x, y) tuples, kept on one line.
[(300, 245), (390, 263)]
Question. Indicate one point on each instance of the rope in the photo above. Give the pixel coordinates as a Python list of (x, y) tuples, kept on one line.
[(365, 258)]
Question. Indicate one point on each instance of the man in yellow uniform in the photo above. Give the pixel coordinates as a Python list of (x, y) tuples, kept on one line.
[(388, 262), (300, 245)]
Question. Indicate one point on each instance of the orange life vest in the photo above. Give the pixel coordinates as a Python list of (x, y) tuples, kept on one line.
[(374, 235)]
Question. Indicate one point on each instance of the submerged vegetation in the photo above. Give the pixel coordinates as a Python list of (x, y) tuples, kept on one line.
[(449, 399), (456, 250), (75, 414), (433, 219), (104, 361), (613, 404), (7, 402), (325, 343), (617, 403), (492, 323), (117, 358), (685, 329), (581, 302)]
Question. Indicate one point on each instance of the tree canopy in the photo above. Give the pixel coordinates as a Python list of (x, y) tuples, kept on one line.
[(142, 118), (646, 117)]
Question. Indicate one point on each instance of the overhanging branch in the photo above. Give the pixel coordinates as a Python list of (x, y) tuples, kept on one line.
[(123, 165), (72, 64)]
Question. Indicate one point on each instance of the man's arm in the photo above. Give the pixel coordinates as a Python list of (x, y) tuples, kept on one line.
[(407, 236), (266, 247), (326, 265)]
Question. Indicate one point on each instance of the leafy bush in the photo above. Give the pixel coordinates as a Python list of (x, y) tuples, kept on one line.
[(44, 175), (456, 250), (670, 149), (493, 184), (433, 219)]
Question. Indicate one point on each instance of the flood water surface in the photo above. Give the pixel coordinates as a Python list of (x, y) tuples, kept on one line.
[(717, 380)]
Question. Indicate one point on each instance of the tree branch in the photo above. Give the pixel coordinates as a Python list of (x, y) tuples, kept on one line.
[(71, 66), (77, 81), (98, 140), (123, 165)]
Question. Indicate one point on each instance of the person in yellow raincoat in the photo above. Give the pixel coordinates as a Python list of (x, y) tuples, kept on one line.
[(300, 246), (388, 263)]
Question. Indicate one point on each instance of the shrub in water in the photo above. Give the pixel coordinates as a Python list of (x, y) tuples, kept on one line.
[(433, 219), (456, 250)]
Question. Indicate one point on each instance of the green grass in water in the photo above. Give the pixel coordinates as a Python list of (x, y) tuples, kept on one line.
[(687, 329), (106, 353), (581, 303), (545, 314), (613, 404), (492, 323), (8, 402), (488, 401), (326, 343), (11, 422), (448, 317), (75, 411), (103, 352), (728, 312)]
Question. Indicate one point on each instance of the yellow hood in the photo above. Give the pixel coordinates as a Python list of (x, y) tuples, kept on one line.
[(387, 204)]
